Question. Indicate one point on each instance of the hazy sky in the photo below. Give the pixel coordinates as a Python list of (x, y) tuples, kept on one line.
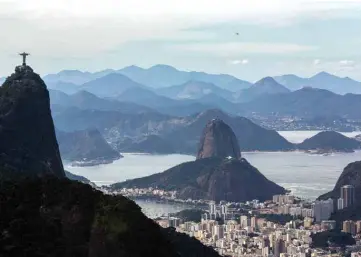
[(275, 36)]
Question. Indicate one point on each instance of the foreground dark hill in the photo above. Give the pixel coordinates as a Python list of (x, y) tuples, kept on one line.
[(86, 145), (50, 215), (217, 174), (330, 141), (58, 217), (27, 135)]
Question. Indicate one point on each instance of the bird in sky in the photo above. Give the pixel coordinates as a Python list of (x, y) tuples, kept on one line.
[(237, 34)]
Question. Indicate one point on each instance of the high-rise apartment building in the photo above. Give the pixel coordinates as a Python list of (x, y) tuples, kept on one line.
[(348, 195), (350, 227), (340, 204), (254, 222), (245, 222), (322, 210), (279, 247)]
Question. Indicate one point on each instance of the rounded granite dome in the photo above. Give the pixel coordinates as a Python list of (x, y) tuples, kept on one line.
[(218, 140)]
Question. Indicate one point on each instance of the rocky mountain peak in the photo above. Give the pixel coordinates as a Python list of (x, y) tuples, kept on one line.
[(218, 140), (27, 135)]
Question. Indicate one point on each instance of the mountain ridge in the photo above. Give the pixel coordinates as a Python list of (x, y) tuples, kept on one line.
[(265, 86), (322, 80)]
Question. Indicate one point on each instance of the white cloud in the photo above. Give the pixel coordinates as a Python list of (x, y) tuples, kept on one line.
[(233, 48), (65, 29), (145, 9), (243, 62), (81, 27), (347, 63), (316, 62)]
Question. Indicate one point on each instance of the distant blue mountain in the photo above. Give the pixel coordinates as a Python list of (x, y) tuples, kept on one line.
[(265, 86), (66, 87), (2, 80), (87, 101), (307, 102), (156, 77), (160, 76), (322, 80), (70, 76), (194, 90), (110, 85)]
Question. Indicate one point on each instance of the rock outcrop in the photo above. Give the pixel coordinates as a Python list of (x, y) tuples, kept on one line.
[(218, 140), (351, 175), (28, 143), (218, 174)]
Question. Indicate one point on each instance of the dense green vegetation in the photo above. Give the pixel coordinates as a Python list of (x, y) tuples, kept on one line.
[(194, 215), (332, 238), (59, 217), (278, 218)]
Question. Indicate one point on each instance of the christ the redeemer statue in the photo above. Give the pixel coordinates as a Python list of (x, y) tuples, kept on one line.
[(24, 55)]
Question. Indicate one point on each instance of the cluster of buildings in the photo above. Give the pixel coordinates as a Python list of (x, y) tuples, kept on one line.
[(238, 233), (320, 210), (247, 234), (291, 123), (217, 211)]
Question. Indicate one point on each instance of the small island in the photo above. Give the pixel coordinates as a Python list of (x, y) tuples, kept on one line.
[(328, 142)]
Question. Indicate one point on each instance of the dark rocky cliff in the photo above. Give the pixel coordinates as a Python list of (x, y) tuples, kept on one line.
[(218, 140), (28, 143)]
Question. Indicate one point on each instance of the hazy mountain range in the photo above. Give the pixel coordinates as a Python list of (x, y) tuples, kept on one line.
[(169, 91), (155, 77), (160, 76), (322, 80), (306, 103)]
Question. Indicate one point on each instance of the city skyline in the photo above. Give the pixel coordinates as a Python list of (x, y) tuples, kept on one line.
[(247, 40)]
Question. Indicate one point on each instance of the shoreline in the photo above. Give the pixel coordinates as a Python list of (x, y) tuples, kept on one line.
[(95, 163)]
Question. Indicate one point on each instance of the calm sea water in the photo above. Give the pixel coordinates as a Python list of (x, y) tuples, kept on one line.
[(306, 175)]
